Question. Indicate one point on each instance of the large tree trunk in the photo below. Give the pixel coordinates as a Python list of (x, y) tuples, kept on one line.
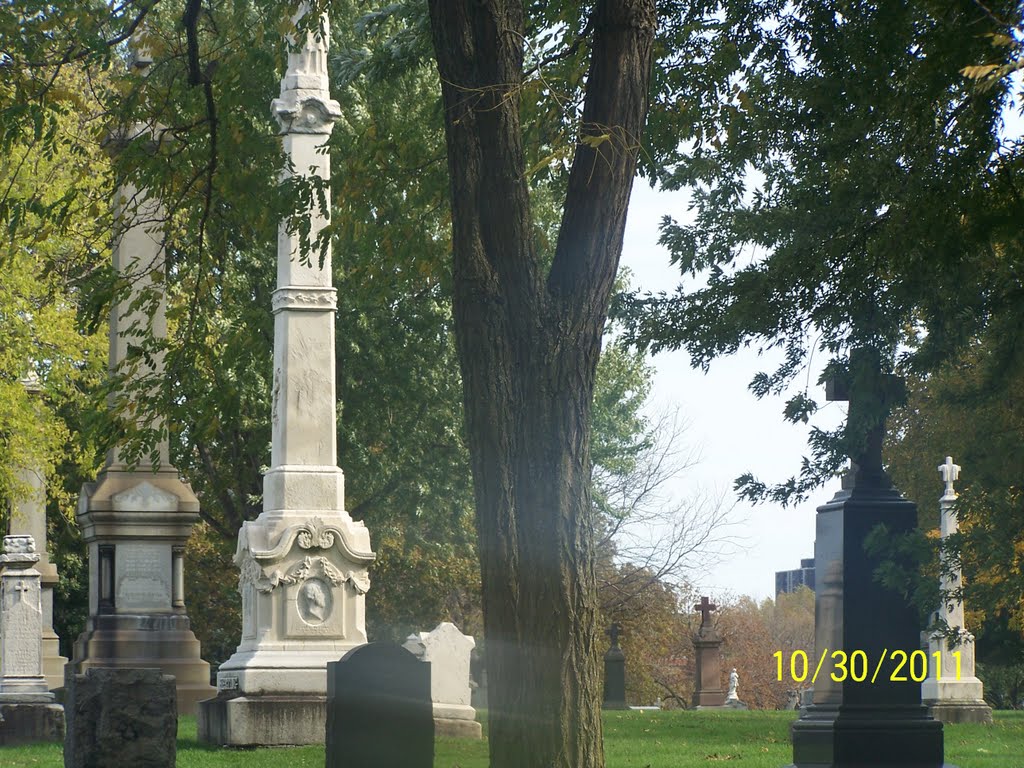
[(528, 345)]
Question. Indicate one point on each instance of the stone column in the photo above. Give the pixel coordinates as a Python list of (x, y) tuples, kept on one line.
[(28, 517), (951, 691), (27, 709), (134, 518), (303, 561)]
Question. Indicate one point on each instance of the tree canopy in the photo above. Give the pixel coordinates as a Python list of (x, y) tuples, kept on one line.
[(850, 186)]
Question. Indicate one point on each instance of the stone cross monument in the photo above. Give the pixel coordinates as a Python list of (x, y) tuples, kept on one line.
[(856, 720), (707, 646), (27, 708), (303, 561), (951, 691), (136, 520), (28, 517)]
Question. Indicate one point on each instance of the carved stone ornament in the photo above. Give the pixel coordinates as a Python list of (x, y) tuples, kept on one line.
[(312, 114), (315, 535), (250, 572), (144, 497), (21, 544), (310, 299), (309, 568)]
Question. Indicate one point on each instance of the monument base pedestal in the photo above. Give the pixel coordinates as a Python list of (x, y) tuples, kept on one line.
[(163, 642), (234, 720), (827, 738), (960, 711), (31, 723), (458, 729), (457, 721)]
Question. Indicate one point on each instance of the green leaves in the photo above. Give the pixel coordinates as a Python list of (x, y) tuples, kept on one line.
[(843, 177)]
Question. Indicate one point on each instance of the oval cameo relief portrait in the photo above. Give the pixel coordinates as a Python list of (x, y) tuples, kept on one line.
[(314, 601)]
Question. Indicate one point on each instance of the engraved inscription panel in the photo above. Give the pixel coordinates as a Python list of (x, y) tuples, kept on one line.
[(21, 630), (143, 577)]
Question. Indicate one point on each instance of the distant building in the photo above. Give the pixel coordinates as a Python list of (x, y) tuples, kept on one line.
[(788, 581)]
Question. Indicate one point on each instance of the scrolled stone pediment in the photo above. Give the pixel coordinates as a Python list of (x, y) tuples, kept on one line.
[(311, 535), (144, 497)]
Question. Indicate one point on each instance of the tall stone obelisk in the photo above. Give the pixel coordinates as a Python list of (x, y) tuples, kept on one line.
[(303, 561), (136, 520), (28, 518), (951, 691)]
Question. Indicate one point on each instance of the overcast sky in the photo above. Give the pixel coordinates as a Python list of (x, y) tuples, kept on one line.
[(735, 432)]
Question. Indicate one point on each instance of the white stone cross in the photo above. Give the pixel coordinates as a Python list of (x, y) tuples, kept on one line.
[(950, 472)]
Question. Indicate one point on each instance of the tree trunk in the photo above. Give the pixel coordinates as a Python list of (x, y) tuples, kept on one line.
[(528, 346)]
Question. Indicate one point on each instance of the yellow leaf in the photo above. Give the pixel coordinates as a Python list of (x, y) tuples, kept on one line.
[(977, 72), (1000, 39)]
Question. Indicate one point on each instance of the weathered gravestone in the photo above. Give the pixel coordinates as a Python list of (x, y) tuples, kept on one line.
[(707, 646), (448, 652), (120, 718), (28, 517), (614, 672), (379, 712), (27, 709)]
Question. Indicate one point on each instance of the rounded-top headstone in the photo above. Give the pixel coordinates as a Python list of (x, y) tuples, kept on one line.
[(379, 709)]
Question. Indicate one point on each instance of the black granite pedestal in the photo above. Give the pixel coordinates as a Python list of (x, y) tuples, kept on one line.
[(614, 680), (880, 720)]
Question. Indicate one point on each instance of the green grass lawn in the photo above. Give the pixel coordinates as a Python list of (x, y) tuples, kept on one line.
[(632, 740)]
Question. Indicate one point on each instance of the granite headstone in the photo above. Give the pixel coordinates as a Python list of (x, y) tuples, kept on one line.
[(379, 709)]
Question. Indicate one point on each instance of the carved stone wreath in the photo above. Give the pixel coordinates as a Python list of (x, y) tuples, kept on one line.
[(307, 568)]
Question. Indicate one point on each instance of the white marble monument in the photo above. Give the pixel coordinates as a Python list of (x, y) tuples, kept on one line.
[(28, 517), (136, 519), (27, 708), (448, 651), (951, 691), (303, 561)]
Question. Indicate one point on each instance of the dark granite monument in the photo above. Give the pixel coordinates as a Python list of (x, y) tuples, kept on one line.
[(707, 645), (120, 718), (614, 672), (379, 711), (879, 721)]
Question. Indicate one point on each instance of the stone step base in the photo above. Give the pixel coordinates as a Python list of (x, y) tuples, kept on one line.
[(457, 728), (31, 724), (262, 721), (960, 711)]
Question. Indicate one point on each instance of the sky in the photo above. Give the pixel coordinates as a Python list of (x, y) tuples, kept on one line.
[(732, 430)]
